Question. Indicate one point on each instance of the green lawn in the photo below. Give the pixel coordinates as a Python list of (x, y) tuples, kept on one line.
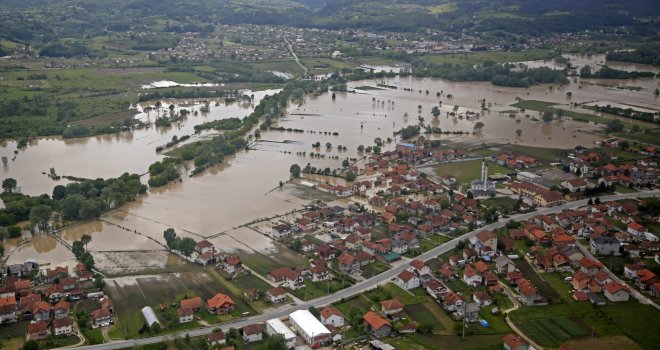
[(467, 171), (313, 290), (544, 287)]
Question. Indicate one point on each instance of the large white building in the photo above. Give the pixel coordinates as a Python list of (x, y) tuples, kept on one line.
[(277, 327), (310, 329)]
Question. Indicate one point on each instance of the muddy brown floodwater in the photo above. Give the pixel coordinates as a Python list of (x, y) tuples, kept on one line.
[(215, 204), (108, 155)]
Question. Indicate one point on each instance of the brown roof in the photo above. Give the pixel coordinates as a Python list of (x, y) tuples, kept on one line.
[(252, 329), (100, 313), (406, 275), (63, 322), (216, 336), (277, 291), (485, 235), (391, 304), (418, 264), (37, 327), (329, 311), (191, 303), (62, 305)]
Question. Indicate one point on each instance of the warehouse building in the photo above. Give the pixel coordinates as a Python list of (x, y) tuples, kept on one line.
[(310, 329)]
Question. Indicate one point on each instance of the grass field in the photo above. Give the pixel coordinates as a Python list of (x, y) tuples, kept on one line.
[(650, 137), (467, 171), (263, 264), (544, 287), (478, 57), (442, 342)]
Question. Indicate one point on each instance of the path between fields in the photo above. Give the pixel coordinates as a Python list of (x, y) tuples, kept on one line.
[(509, 292)]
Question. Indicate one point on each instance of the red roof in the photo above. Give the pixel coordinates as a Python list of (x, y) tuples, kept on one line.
[(375, 320), (406, 276), (328, 311), (219, 301), (191, 303), (513, 341), (252, 329)]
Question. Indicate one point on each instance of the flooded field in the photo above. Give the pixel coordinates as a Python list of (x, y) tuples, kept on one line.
[(107, 155), (594, 61), (245, 188)]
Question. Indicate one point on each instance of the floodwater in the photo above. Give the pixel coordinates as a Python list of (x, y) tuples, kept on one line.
[(594, 61), (108, 155), (45, 249), (218, 203)]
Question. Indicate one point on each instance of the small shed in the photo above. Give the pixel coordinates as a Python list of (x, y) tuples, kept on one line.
[(149, 316)]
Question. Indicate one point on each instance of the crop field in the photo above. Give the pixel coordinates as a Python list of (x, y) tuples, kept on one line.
[(556, 330), (130, 294), (264, 263)]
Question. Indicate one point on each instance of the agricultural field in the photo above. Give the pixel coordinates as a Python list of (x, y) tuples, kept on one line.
[(130, 294), (650, 137), (264, 263), (575, 320), (467, 171)]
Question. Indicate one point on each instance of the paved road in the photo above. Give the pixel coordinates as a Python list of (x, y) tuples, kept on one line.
[(296, 56), (363, 286)]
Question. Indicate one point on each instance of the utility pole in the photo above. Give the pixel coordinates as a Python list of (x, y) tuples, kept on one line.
[(464, 316)]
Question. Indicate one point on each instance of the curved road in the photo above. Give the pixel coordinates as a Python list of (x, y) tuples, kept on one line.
[(360, 287)]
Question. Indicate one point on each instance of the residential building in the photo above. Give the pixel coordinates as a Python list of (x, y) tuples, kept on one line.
[(37, 330), (407, 280), (276, 295), (604, 245), (220, 304), (332, 316), (185, 315), (252, 333), (376, 325), (62, 326), (514, 342)]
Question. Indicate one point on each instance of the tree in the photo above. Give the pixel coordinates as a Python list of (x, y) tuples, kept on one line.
[(59, 192), (170, 236), (590, 202), (478, 125), (273, 343), (30, 345), (88, 260), (86, 239), (435, 111), (40, 216), (334, 96), (518, 132), (350, 176), (296, 245), (14, 231), (360, 148), (614, 125), (9, 184), (470, 195), (295, 170), (78, 248), (345, 163), (548, 116), (186, 246)]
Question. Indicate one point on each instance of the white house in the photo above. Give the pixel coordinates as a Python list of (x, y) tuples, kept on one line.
[(185, 315), (63, 326), (276, 295), (252, 333), (419, 268), (615, 291), (605, 246), (332, 316), (471, 277), (407, 280)]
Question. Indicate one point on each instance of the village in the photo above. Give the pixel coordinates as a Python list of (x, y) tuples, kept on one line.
[(398, 208)]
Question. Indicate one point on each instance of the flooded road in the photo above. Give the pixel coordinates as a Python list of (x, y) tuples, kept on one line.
[(215, 204)]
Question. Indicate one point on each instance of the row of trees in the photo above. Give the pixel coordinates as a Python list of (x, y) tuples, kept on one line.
[(185, 245), (82, 200)]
